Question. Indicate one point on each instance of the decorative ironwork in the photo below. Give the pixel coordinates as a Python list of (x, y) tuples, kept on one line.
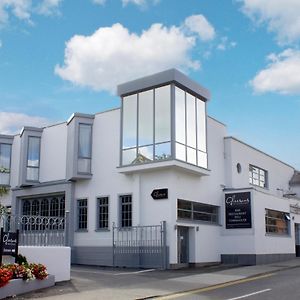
[(36, 230)]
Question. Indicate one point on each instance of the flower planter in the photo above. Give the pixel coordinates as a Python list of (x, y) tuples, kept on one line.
[(19, 286)]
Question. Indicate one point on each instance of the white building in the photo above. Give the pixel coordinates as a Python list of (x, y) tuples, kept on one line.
[(158, 179)]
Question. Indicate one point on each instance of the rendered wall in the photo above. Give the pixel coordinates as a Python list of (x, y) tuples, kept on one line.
[(56, 259)]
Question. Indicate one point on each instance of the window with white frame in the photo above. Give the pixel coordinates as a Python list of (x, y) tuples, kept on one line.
[(258, 176), (33, 158), (82, 214), (5, 162), (103, 212), (196, 211), (277, 222), (84, 148), (126, 210)]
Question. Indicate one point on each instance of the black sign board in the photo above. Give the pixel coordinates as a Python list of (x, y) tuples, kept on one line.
[(9, 243), (159, 194), (238, 210)]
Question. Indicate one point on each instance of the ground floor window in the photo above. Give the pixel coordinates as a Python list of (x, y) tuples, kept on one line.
[(196, 211), (82, 217), (277, 222), (48, 206), (126, 210), (103, 211)]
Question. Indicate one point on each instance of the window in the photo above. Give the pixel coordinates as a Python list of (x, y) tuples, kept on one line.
[(196, 211), (33, 158), (103, 211), (277, 222), (147, 126), (190, 132), (51, 206), (5, 159), (258, 176), (126, 210), (82, 210), (84, 148)]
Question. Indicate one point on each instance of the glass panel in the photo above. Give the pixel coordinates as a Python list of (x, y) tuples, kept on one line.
[(85, 141), (201, 125), (191, 121), (146, 118), (145, 154), (202, 159), (180, 152), (162, 151), (129, 156), (182, 204), (5, 154), (163, 114), (191, 156), (33, 155), (4, 178), (84, 165), (180, 115), (32, 174), (129, 121)]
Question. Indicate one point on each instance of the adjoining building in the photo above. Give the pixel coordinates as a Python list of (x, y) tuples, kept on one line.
[(156, 183)]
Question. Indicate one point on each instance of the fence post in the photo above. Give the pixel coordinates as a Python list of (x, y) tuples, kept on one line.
[(164, 245), (67, 235)]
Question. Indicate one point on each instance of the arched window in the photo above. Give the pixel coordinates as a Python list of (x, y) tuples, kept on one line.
[(26, 207), (45, 208), (54, 207), (35, 208)]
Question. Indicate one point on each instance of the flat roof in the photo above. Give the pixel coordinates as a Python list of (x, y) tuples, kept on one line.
[(161, 78)]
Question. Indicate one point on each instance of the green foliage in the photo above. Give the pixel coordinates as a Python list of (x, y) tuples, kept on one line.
[(21, 260)]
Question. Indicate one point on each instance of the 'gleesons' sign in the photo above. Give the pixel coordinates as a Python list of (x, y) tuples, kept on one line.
[(238, 210)]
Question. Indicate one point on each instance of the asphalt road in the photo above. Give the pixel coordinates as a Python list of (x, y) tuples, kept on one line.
[(283, 285)]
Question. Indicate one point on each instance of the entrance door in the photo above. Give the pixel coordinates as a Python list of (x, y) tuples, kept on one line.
[(183, 244), (297, 239)]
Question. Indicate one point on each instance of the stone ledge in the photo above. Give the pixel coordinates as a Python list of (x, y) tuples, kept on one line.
[(19, 286)]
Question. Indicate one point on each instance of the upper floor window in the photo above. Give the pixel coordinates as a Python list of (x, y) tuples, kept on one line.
[(33, 158), (258, 176), (84, 148), (5, 161), (190, 131), (147, 126)]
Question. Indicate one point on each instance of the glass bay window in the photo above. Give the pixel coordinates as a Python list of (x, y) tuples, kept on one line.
[(84, 148), (147, 122), (33, 158), (5, 161)]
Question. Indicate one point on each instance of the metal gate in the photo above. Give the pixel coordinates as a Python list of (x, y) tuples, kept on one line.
[(140, 246)]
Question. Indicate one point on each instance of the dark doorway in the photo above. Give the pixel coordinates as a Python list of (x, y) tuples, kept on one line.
[(183, 244)]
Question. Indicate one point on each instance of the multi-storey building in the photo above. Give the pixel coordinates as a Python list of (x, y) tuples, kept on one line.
[(155, 183)]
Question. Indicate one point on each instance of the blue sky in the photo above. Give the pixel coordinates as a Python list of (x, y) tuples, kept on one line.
[(62, 56)]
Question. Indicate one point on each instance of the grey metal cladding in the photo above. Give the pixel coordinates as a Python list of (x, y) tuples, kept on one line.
[(168, 76), (6, 139), (72, 145)]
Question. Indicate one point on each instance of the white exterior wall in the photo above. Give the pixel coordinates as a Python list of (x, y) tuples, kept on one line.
[(53, 153)]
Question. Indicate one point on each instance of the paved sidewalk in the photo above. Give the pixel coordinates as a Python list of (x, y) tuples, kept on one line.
[(105, 283)]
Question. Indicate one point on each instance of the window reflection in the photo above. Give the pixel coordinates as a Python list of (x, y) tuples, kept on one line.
[(146, 118), (5, 157), (130, 121), (162, 151), (33, 158)]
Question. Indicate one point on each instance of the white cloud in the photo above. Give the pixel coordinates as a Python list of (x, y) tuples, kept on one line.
[(281, 16), (23, 9), (11, 123), (113, 55), (100, 2), (198, 24), (49, 7), (281, 75), (225, 44), (142, 3)]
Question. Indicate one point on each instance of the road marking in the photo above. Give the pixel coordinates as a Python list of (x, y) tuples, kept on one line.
[(210, 288), (135, 272), (249, 295)]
